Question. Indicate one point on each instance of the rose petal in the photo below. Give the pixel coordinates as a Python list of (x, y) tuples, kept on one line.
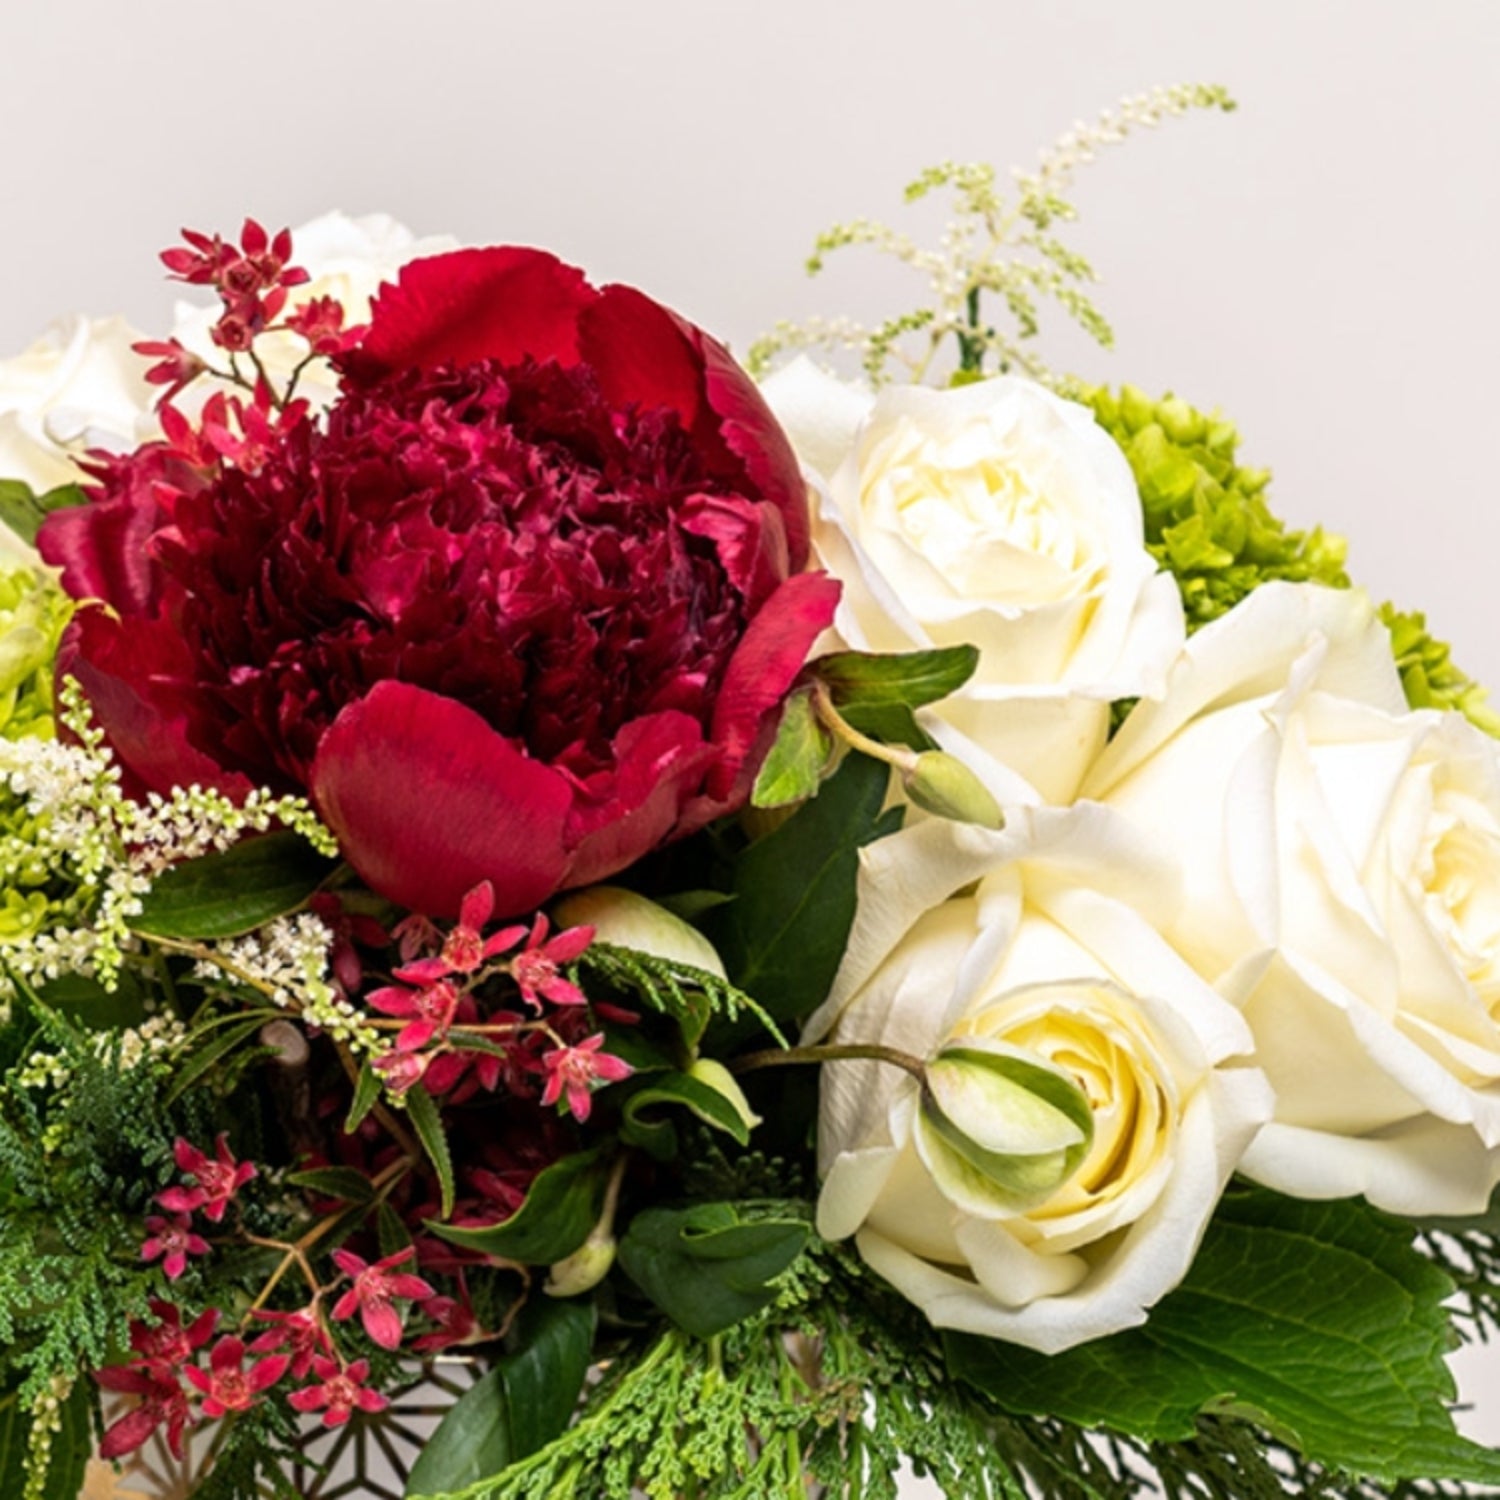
[(427, 801)]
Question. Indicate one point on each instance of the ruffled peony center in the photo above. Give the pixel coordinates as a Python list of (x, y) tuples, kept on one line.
[(499, 535)]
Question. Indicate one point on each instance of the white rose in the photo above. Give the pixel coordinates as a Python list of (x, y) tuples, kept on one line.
[(80, 386), (997, 515), (1343, 887), (346, 259), (1037, 946)]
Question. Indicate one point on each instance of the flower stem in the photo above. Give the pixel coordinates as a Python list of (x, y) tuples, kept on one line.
[(779, 1057), (899, 756)]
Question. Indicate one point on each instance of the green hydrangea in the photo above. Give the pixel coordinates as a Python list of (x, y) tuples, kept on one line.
[(1207, 521), (1208, 524), (33, 611), (1428, 674)]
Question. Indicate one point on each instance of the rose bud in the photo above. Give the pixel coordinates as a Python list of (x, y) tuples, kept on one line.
[(520, 608), (942, 784), (1000, 1131), (623, 919)]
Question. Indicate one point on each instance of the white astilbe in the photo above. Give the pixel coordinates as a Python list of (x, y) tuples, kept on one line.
[(78, 857), (1001, 244), (288, 961)]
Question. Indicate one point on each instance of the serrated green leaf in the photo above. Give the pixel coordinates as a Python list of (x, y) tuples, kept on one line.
[(561, 1207), (235, 891), (1319, 1321), (783, 937), (913, 678), (658, 1137), (366, 1093), (793, 769), (203, 1059), (519, 1406), (343, 1183), (707, 1267), (428, 1124), (390, 1230)]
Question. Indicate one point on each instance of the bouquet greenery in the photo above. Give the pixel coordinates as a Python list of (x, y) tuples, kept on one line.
[(576, 924)]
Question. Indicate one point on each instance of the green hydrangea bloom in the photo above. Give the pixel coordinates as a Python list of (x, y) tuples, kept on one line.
[(1207, 521), (33, 611), (1428, 674)]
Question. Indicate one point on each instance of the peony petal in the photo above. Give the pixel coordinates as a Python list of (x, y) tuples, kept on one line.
[(752, 431), (127, 672), (101, 548), (764, 665), (659, 761), (427, 801), (505, 303)]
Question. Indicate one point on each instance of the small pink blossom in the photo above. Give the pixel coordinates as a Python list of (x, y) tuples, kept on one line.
[(299, 1334), (465, 948), (214, 1180), (375, 1289), (162, 1401), (537, 968), (575, 1072), (342, 1391), (166, 1341), (172, 1241), (226, 1386), (430, 1009)]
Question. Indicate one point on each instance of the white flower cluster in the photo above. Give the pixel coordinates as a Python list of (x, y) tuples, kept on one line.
[(287, 960), (80, 831)]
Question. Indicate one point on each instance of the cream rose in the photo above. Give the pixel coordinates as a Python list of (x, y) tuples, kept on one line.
[(346, 259), (1028, 955), (1343, 888), (80, 386), (997, 515)]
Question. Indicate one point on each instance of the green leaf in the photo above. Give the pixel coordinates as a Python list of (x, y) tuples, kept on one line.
[(658, 1137), (423, 1114), (518, 1407), (343, 1183), (783, 937), (221, 1042), (1319, 1321), (94, 1008), (706, 1266), (793, 770), (24, 511), (72, 1446), (890, 723), (390, 1230), (913, 678), (233, 892), (366, 1093), (561, 1207)]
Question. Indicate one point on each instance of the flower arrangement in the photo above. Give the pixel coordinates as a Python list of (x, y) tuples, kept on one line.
[(728, 936)]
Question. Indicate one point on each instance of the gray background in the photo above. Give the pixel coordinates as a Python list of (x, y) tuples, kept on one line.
[(1321, 264)]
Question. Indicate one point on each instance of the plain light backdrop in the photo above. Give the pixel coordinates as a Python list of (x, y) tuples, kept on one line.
[(1321, 264)]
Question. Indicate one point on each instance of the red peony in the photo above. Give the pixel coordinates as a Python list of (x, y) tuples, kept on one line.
[(521, 609)]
